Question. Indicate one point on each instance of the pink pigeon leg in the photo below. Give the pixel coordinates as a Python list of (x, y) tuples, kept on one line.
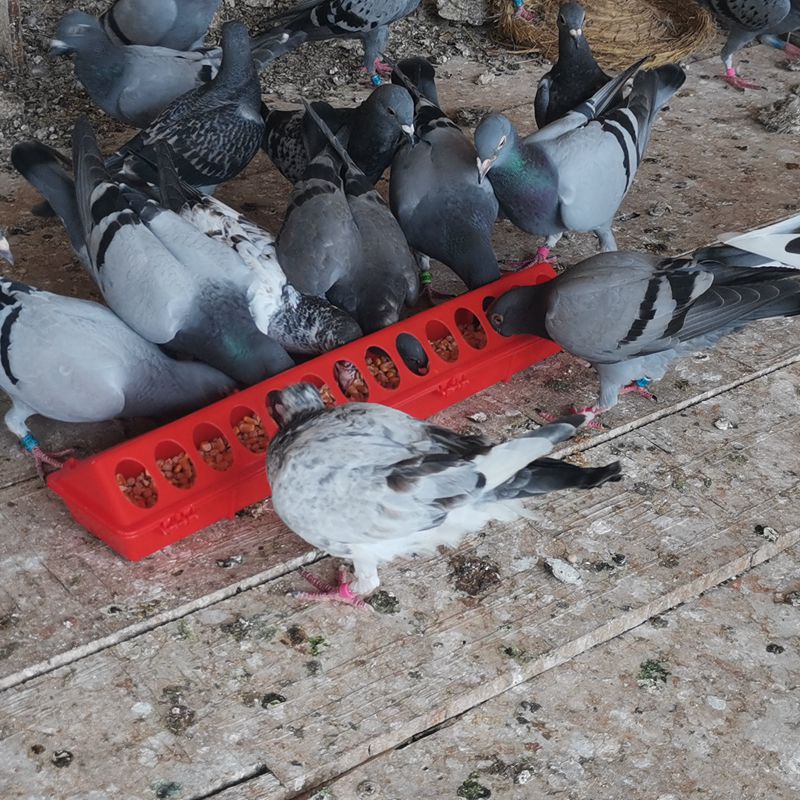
[(41, 457), (732, 79), (328, 593), (593, 424), (541, 257), (382, 68), (523, 13), (636, 388)]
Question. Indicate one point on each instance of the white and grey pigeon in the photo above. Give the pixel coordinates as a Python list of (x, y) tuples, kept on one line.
[(630, 314), (75, 361), (177, 24), (212, 132), (573, 174), (318, 20), (371, 131), (575, 76), (340, 241), (748, 20), (370, 483), (445, 210)]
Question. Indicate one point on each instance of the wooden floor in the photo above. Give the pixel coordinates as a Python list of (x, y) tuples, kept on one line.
[(192, 674)]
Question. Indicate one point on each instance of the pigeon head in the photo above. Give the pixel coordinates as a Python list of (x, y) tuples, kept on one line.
[(520, 310), (571, 17), (237, 60), (76, 32), (492, 139), (294, 403), (5, 248), (414, 357), (394, 106), (421, 73)]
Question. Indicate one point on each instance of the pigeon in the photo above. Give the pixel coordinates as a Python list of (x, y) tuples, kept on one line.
[(213, 132), (75, 361), (573, 174), (575, 76), (177, 24), (369, 483), (747, 20), (653, 310), (421, 73), (340, 241), (435, 192), (372, 132), (318, 20)]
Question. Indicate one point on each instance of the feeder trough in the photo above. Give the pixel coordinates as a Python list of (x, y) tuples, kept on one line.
[(156, 489)]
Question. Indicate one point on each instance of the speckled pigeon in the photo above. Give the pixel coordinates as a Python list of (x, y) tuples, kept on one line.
[(76, 361), (575, 76), (317, 20), (213, 132), (629, 314), (746, 20), (435, 192), (372, 131), (177, 24), (370, 483), (573, 174), (340, 241)]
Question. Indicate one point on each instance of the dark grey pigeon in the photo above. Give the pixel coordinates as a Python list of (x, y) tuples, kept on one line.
[(573, 174), (435, 192), (575, 76), (318, 20), (213, 132), (170, 282), (177, 24), (370, 483), (133, 84), (748, 20), (75, 361), (371, 131), (339, 240), (421, 73), (630, 314)]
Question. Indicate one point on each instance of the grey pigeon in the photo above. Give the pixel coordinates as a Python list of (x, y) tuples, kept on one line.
[(575, 76), (170, 282), (370, 483), (435, 192), (421, 73), (573, 174), (213, 132), (318, 20), (76, 361), (177, 24), (136, 83), (629, 314), (340, 241), (371, 131), (133, 84), (747, 20)]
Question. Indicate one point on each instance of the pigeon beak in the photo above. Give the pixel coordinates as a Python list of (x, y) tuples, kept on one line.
[(483, 167), (409, 129), (58, 48), (5, 251), (575, 33)]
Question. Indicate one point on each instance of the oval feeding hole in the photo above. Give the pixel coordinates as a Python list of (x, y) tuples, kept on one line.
[(351, 381), (249, 429), (213, 447), (136, 483), (412, 353), (442, 340), (486, 302), (471, 328), (383, 369), (175, 465), (324, 389)]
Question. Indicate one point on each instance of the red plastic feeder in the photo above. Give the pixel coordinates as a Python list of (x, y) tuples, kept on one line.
[(153, 490)]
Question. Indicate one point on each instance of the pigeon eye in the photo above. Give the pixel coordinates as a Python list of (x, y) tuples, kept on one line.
[(561, 19), (391, 111), (496, 320), (501, 143)]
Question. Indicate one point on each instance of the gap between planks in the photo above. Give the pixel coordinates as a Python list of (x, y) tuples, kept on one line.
[(158, 620)]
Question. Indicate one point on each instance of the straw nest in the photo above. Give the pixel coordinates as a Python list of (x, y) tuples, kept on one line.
[(619, 31)]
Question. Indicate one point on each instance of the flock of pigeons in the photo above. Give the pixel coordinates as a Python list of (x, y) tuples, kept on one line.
[(200, 300)]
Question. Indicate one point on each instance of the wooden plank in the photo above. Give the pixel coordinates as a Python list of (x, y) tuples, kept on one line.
[(10, 34), (192, 699), (716, 726)]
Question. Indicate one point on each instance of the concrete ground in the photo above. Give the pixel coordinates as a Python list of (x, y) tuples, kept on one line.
[(192, 674)]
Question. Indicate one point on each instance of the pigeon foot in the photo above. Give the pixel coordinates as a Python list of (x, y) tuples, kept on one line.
[(382, 68), (638, 387), (330, 594), (593, 424), (738, 82), (41, 457), (523, 13)]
